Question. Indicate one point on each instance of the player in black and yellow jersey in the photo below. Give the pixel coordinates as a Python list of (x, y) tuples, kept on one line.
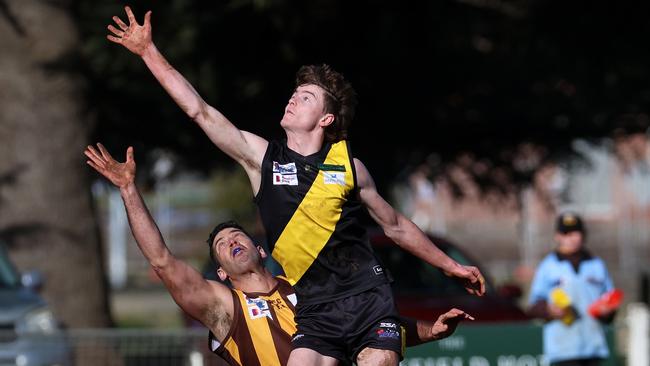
[(250, 324), (311, 192)]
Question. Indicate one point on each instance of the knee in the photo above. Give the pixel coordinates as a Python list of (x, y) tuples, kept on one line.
[(379, 357)]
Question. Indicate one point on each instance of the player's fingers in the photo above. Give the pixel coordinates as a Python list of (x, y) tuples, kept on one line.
[(129, 154), (93, 154), (104, 152), (120, 23), (115, 31), (147, 18), (114, 39), (129, 14), (456, 312), (94, 166)]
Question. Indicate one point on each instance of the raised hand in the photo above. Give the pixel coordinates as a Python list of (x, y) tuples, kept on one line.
[(120, 174), (447, 323), (135, 37)]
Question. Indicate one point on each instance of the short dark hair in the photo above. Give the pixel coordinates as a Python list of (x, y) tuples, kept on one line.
[(340, 97), (217, 229)]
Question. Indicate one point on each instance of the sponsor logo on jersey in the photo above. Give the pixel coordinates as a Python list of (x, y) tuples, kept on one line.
[(285, 174), (258, 308), (334, 178)]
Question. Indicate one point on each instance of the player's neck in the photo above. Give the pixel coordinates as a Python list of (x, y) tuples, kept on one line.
[(305, 143), (255, 281)]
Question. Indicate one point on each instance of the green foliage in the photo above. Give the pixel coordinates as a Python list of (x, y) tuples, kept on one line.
[(444, 76)]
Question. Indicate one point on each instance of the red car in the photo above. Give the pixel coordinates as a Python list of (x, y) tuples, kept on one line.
[(424, 292)]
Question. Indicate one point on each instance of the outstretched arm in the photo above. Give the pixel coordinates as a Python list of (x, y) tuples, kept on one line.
[(408, 236), (195, 295), (422, 331), (246, 148)]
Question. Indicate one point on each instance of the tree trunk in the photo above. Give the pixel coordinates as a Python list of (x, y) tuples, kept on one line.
[(46, 213)]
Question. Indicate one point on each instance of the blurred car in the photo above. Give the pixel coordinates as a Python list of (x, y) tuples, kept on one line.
[(424, 292), (29, 333)]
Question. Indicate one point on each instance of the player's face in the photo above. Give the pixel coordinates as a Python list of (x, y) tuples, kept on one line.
[(569, 243), (305, 109), (235, 251)]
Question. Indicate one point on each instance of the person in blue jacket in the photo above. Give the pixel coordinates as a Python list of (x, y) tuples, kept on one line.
[(566, 282)]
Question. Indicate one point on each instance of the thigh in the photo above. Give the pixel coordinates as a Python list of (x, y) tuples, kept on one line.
[(306, 356), (319, 328), (379, 357), (376, 324)]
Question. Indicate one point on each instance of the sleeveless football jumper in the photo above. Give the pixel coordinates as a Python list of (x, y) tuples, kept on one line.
[(261, 329), (310, 211)]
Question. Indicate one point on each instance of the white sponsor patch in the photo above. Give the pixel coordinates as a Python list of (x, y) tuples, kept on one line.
[(285, 174), (289, 168), (285, 179), (258, 308), (334, 178)]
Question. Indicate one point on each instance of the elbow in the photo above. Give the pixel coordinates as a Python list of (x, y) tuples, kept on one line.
[(198, 113), (394, 232), (161, 264), (394, 229)]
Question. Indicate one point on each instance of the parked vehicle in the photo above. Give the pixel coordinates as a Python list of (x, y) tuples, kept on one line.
[(29, 333), (422, 291)]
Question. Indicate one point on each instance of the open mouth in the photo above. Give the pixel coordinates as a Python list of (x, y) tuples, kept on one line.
[(236, 251)]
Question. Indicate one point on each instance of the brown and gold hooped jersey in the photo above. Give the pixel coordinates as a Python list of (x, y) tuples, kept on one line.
[(310, 211), (261, 330)]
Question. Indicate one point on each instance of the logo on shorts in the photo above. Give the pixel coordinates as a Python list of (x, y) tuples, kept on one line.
[(378, 270), (388, 333), (388, 330), (297, 337)]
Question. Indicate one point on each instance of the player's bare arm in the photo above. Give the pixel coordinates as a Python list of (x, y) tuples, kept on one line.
[(246, 148), (408, 236), (195, 295)]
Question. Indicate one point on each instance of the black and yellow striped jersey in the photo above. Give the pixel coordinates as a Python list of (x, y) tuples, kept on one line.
[(311, 213), (261, 329)]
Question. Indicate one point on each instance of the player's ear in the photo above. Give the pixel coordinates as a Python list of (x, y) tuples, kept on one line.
[(326, 120), (222, 274), (262, 252)]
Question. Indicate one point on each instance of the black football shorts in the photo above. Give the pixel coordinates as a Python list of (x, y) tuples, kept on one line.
[(343, 328)]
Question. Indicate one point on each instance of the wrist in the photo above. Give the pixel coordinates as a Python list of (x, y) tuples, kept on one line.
[(452, 267), (149, 51), (128, 188)]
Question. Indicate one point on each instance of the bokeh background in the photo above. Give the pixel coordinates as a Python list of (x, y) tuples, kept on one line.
[(479, 119)]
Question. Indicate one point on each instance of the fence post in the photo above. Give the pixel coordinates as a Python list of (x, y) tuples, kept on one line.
[(638, 344)]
